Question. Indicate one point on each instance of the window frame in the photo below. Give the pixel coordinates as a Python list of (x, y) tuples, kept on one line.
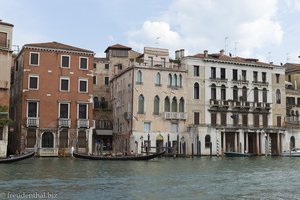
[(60, 84), (38, 60), (38, 81), (59, 110), (61, 61), (87, 63), (87, 85)]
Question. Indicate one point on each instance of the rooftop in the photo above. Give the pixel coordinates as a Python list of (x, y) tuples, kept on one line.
[(6, 24), (117, 46), (292, 67)]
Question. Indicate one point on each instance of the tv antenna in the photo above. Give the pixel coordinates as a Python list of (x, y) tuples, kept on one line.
[(225, 49)]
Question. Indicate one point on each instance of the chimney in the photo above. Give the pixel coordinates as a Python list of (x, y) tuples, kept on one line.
[(176, 54), (222, 52), (205, 53), (181, 53)]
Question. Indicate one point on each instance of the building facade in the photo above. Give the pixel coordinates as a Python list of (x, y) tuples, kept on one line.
[(52, 95), (6, 31)]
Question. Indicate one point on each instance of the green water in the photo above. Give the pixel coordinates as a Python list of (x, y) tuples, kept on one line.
[(166, 178)]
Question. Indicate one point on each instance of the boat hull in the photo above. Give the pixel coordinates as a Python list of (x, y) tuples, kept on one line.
[(17, 158), (236, 154), (118, 158), (290, 154)]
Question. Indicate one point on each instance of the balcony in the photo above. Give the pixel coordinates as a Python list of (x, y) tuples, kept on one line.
[(32, 122), (175, 115), (292, 120), (104, 125), (64, 123), (240, 82), (219, 103), (218, 80), (260, 83), (83, 123)]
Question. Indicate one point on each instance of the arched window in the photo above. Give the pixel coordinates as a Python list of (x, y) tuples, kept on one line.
[(278, 96), (181, 105), (156, 105), (265, 95), (196, 91), (213, 91), (235, 94), (255, 91), (47, 140), (174, 104), (244, 93), (207, 141), (157, 80), (96, 102), (141, 104), (170, 80), (175, 80), (180, 80), (223, 92), (167, 104), (139, 77), (292, 143)]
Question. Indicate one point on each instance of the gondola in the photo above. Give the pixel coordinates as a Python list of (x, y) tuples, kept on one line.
[(236, 154), (17, 158), (118, 158)]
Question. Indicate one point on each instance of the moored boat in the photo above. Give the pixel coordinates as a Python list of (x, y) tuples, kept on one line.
[(118, 158), (17, 158), (237, 154), (292, 153)]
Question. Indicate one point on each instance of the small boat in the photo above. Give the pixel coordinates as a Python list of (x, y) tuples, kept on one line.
[(292, 153), (17, 158), (237, 154), (118, 158)]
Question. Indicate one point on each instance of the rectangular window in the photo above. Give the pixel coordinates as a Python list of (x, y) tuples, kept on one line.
[(32, 109), (3, 40), (256, 120), (95, 80), (196, 70), (1, 131), (174, 127), (34, 58), (64, 110), (83, 85), (277, 78), (223, 119), (235, 118), (264, 77), (255, 77), (213, 73), (147, 126), (83, 63), (151, 61), (244, 75), (223, 73), (106, 66), (106, 81), (64, 84), (163, 62), (290, 78), (234, 74), (278, 121), (82, 111), (33, 82), (265, 120), (196, 118), (245, 120), (95, 65), (213, 119), (65, 61)]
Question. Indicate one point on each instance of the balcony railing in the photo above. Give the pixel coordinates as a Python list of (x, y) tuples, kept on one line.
[(83, 123), (155, 64), (175, 115), (292, 119), (32, 122), (239, 104), (104, 125), (64, 122)]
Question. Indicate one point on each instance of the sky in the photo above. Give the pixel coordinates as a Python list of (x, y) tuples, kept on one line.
[(265, 29)]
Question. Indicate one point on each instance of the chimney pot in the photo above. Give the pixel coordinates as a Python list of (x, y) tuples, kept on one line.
[(205, 53)]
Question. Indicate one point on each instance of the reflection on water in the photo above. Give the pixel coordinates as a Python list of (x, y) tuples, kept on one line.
[(198, 178)]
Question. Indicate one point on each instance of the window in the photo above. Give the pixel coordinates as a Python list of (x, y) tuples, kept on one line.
[(278, 121), (244, 93), (174, 127), (265, 95), (256, 120), (181, 105), (32, 109), (64, 84), (3, 40), (196, 70), (33, 83), (180, 80), (255, 91), (265, 120), (255, 77), (106, 80), (207, 141), (213, 91), (163, 62), (95, 65), (244, 75), (139, 77), (47, 140), (290, 78), (96, 102), (95, 80), (235, 118), (196, 118), (157, 79), (65, 61), (264, 77), (1, 129), (213, 119), (245, 120), (83, 85), (170, 80), (278, 96), (83, 63), (292, 143), (234, 74), (82, 111), (151, 61), (34, 58), (213, 73), (106, 66), (223, 73), (196, 90), (223, 119), (175, 80), (277, 78), (174, 104), (64, 110), (156, 105), (223, 92), (147, 126), (141, 104), (167, 104), (235, 93)]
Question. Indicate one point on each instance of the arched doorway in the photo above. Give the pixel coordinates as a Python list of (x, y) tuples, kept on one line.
[(159, 143), (47, 140), (292, 143)]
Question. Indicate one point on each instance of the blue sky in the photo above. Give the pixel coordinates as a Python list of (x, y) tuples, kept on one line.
[(268, 29)]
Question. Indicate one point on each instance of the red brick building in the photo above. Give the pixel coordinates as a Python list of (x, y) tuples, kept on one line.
[(51, 98)]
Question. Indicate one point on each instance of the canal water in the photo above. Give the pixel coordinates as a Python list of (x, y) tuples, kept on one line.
[(165, 178)]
